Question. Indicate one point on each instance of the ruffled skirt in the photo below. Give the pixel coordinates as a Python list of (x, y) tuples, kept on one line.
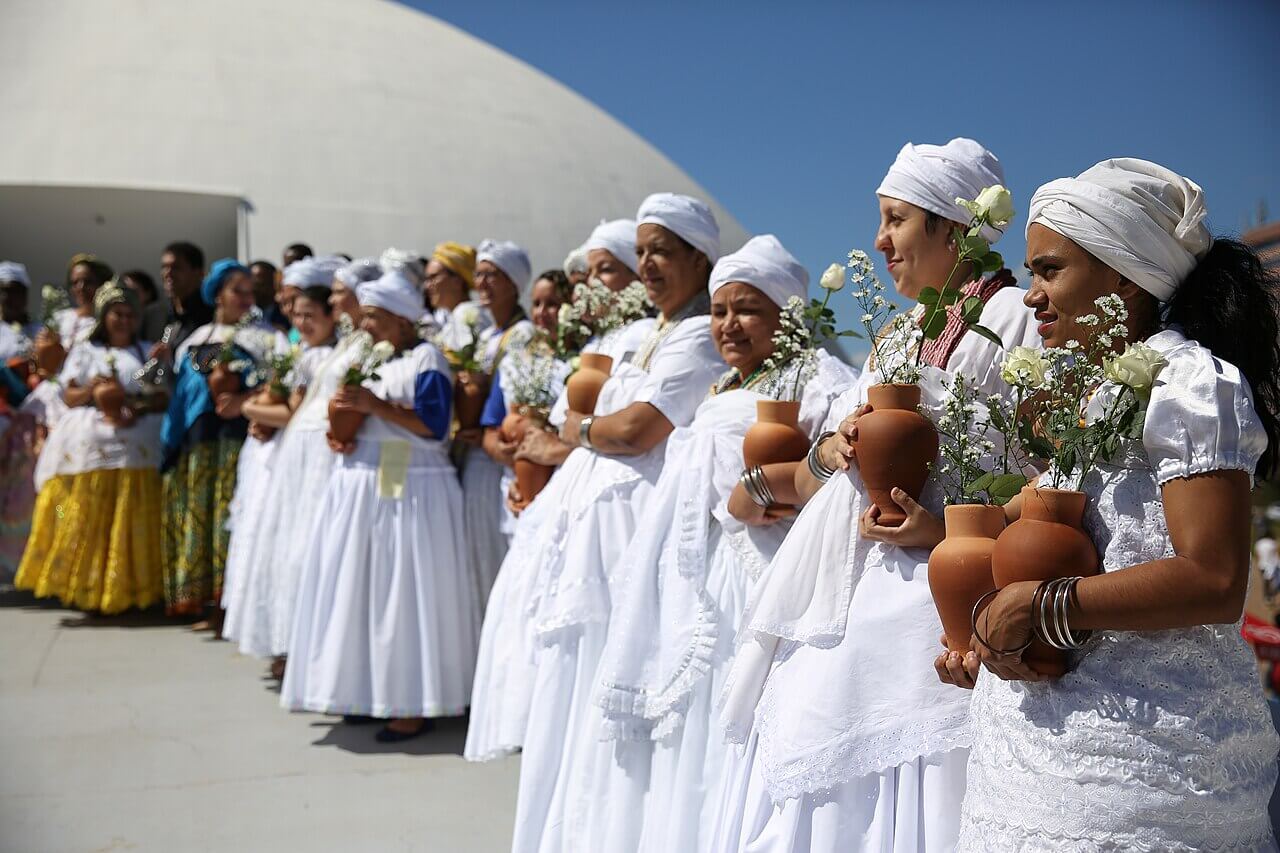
[(197, 500), (17, 489), (253, 479), (387, 622), (483, 511), (95, 544)]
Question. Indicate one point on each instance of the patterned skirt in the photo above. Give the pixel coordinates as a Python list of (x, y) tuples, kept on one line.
[(95, 543), (197, 499), (17, 490)]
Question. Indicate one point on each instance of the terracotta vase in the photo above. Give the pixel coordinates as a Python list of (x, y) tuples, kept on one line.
[(222, 380), (894, 448), (109, 397), (1047, 541), (344, 423), (269, 396), (776, 435), (960, 568), (583, 387), (49, 357), (469, 394), (531, 477)]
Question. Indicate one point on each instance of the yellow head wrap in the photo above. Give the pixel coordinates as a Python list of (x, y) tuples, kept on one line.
[(112, 293), (458, 259)]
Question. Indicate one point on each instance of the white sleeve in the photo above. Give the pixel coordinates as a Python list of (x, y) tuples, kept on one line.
[(682, 371)]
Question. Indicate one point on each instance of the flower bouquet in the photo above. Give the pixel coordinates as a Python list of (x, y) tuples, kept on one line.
[(345, 423)]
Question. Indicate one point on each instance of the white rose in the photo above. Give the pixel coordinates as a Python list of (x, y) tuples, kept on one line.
[(1024, 367), (383, 350), (833, 278), (1137, 367), (994, 203)]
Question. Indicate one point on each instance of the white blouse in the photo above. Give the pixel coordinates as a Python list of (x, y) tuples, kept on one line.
[(1154, 740)]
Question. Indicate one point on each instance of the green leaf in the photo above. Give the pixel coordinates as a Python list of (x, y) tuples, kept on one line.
[(986, 333), (972, 310), (849, 333), (981, 483), (928, 296), (992, 261), (973, 246), (933, 325), (948, 297), (1007, 485), (1039, 447)]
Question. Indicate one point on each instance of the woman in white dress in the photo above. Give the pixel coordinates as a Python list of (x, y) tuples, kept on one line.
[(845, 749), (1157, 737), (386, 620), (253, 467), (502, 275), (291, 482), (689, 567), (620, 449), (505, 667)]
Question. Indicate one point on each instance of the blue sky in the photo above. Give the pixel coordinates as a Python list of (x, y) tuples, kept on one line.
[(790, 112)]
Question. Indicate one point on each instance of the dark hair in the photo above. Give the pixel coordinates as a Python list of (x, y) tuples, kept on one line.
[(302, 250), (931, 221), (319, 294), (270, 266), (144, 281), (557, 277), (101, 270), (189, 252), (1230, 304)]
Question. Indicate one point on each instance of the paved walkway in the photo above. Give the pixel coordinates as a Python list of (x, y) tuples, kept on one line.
[(135, 734)]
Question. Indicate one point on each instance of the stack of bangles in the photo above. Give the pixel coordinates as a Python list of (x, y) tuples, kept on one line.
[(1049, 623), (820, 472), (757, 486)]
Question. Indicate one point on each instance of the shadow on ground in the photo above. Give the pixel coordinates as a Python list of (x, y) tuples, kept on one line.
[(448, 738)]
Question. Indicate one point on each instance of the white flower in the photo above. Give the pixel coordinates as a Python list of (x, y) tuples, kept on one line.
[(1024, 367), (994, 203), (1088, 320), (833, 278), (383, 350), (1137, 367), (867, 318)]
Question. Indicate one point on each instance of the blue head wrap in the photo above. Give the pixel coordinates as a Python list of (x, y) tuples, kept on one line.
[(217, 277)]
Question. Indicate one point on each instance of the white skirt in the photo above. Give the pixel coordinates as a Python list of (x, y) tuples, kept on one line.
[(689, 766), (387, 621), (298, 474), (486, 544), (252, 483), (577, 791), (506, 663), (911, 808)]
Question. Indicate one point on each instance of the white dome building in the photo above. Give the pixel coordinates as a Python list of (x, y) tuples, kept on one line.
[(351, 125)]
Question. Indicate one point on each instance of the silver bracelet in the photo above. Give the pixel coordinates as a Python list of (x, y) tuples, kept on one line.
[(1052, 625), (584, 432), (756, 486), (762, 485), (817, 468)]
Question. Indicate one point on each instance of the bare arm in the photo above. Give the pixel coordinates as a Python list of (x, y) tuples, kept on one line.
[(75, 396), (636, 429), (268, 414)]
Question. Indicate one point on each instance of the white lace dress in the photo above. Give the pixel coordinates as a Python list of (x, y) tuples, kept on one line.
[(1154, 740)]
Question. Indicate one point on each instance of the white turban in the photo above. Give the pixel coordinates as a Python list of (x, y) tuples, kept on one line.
[(576, 261), (312, 271), (618, 238), (393, 292), (406, 262), (509, 258), (686, 217), (764, 264), (1137, 217), (934, 176), (14, 271), (358, 272)]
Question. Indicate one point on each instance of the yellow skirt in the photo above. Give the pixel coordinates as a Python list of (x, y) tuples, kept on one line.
[(95, 541)]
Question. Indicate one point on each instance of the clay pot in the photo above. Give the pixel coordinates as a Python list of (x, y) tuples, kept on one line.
[(894, 448), (222, 380), (49, 357), (1047, 541), (960, 568), (531, 477), (583, 387), (109, 397), (344, 423), (776, 435), (469, 395), (269, 396)]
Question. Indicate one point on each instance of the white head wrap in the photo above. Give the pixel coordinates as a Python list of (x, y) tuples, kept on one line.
[(687, 217), (934, 176), (509, 258), (766, 265), (14, 271), (406, 262), (1137, 217), (312, 271), (393, 292), (576, 261), (358, 272), (618, 238)]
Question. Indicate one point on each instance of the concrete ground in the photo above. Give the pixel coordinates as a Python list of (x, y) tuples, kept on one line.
[(136, 734)]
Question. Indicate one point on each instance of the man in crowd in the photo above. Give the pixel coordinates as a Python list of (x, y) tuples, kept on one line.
[(181, 270)]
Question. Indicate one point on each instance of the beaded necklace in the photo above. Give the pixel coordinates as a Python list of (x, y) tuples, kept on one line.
[(700, 304)]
